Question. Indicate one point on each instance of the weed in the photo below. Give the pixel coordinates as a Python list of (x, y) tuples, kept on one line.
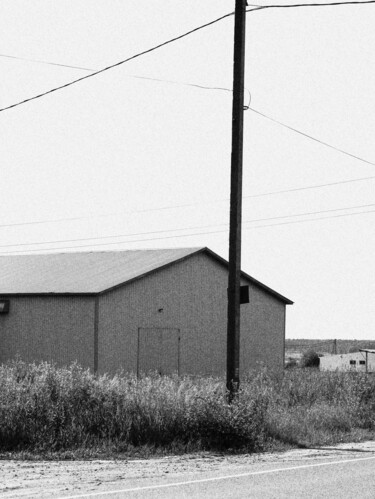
[(48, 409)]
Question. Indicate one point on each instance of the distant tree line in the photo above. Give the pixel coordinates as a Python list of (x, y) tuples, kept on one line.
[(327, 346)]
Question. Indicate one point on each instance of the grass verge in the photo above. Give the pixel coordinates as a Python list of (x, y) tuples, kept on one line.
[(46, 410)]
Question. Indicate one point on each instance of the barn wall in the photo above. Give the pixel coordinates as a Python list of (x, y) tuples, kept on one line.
[(192, 297), (59, 329), (262, 331)]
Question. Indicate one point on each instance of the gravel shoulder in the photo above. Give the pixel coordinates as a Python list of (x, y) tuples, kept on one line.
[(42, 479)]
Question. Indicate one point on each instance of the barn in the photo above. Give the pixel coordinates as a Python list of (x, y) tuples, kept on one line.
[(137, 310)]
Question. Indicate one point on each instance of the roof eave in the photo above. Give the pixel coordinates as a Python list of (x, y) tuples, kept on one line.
[(205, 250), (248, 277), (51, 294), (145, 274), (217, 258)]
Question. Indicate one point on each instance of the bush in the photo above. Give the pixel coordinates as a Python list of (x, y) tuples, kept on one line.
[(291, 363), (310, 359)]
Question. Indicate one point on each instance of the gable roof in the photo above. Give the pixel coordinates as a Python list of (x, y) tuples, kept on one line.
[(90, 273)]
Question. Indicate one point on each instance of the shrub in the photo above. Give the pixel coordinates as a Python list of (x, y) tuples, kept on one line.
[(291, 363), (310, 359)]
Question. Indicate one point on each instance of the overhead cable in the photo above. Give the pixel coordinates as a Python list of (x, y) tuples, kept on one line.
[(138, 77), (312, 138), (185, 235), (165, 231), (91, 70), (187, 205), (309, 187), (156, 47), (38, 61), (311, 4), (139, 54), (206, 87)]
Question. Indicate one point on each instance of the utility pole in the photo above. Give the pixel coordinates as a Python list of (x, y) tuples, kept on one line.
[(233, 328), (335, 347)]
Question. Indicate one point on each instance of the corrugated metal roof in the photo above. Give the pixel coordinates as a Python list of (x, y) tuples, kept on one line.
[(84, 272), (92, 272)]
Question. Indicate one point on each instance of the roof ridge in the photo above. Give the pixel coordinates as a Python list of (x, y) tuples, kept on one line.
[(91, 252)]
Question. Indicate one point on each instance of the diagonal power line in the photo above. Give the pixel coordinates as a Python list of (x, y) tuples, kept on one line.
[(204, 87), (139, 54), (311, 137), (179, 37)]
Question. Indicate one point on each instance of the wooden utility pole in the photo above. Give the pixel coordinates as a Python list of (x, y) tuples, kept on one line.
[(233, 330), (335, 347)]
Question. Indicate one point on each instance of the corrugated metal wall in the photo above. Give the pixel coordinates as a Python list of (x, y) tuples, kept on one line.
[(158, 350), (59, 329), (190, 296)]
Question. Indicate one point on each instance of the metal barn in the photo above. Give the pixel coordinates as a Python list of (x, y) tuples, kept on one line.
[(140, 310)]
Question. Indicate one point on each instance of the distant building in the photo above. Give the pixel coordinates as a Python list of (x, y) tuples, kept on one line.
[(163, 310), (364, 361)]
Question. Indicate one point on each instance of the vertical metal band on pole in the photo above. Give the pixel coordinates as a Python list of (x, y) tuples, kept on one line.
[(233, 330)]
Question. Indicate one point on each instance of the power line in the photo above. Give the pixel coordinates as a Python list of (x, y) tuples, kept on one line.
[(313, 219), (92, 70), (308, 187), (38, 61), (206, 87), (139, 54), (39, 243), (185, 235), (312, 138), (310, 213), (326, 4), (187, 205), (203, 87), (156, 47), (89, 217)]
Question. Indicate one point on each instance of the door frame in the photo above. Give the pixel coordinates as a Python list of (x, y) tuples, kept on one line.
[(161, 328)]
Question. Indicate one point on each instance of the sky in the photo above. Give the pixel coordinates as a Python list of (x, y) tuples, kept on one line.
[(122, 160)]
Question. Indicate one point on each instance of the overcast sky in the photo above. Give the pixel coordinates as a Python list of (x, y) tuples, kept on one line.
[(125, 155)]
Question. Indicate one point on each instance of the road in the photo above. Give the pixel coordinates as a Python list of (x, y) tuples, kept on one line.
[(345, 471)]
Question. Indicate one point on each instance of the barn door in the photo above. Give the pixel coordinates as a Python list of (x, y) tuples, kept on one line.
[(158, 350)]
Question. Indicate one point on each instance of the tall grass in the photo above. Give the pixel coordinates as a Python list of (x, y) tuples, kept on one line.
[(309, 407), (43, 407)]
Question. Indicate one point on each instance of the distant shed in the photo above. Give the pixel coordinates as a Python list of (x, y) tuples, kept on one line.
[(362, 361), (138, 310)]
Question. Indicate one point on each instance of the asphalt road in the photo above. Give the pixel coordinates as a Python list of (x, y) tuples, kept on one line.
[(344, 471), (343, 478)]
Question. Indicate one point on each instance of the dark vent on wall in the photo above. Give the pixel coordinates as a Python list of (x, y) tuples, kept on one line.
[(244, 294)]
